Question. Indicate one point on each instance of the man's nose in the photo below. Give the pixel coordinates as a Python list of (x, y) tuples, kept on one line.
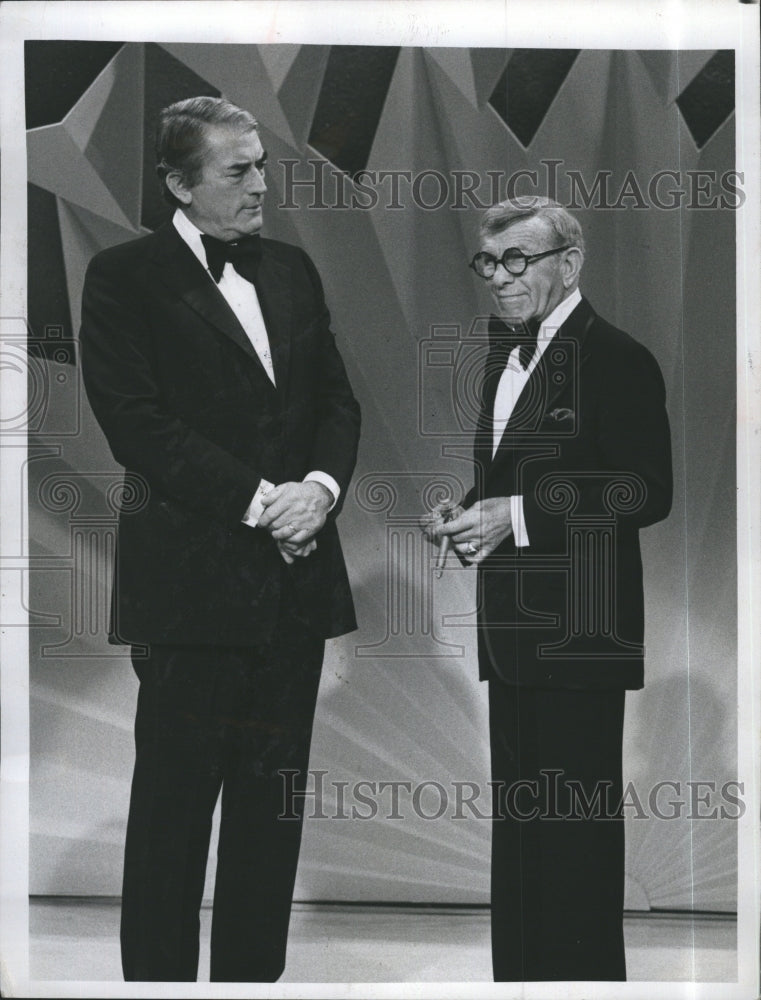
[(501, 275), (257, 184)]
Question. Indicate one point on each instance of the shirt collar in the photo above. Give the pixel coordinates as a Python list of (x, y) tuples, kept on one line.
[(191, 234), (559, 315), (550, 327)]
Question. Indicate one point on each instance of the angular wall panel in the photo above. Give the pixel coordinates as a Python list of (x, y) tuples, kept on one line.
[(352, 94), (300, 90), (709, 99), (524, 93), (58, 73), (47, 291)]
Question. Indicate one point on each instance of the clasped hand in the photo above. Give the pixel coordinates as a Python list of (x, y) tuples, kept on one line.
[(476, 532), (293, 514)]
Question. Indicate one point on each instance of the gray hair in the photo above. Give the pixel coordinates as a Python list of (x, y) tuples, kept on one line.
[(181, 136), (566, 226)]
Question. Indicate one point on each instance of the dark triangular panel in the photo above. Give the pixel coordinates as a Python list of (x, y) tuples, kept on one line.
[(350, 104), (56, 74), (528, 87), (166, 80), (48, 309), (670, 71), (300, 89), (709, 99), (488, 66)]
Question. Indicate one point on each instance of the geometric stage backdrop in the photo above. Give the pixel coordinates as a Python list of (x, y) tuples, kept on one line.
[(379, 158)]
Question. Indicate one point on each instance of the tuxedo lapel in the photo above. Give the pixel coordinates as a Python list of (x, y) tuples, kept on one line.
[(182, 271), (501, 342), (566, 356), (274, 290), (554, 376)]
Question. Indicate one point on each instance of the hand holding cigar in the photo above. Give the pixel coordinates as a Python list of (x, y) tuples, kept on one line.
[(446, 513)]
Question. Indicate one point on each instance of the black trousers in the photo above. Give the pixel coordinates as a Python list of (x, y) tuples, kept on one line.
[(557, 877), (211, 718)]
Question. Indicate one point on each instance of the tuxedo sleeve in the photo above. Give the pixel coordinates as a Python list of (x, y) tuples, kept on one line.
[(629, 478), (122, 386), (336, 437)]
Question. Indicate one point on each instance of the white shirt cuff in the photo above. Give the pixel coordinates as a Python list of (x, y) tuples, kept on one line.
[(327, 481), (520, 533), (256, 507)]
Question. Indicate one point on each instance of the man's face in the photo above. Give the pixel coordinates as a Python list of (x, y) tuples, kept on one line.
[(227, 200), (535, 293)]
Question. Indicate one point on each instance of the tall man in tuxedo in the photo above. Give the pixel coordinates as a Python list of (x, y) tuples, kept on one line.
[(572, 458), (210, 365)]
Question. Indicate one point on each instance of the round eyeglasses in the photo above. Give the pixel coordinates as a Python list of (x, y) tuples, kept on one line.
[(513, 260)]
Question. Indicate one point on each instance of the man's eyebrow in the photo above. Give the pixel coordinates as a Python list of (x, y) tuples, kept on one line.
[(243, 164), (238, 165)]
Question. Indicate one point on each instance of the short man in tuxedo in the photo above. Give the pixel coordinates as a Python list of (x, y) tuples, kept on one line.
[(572, 458), (210, 365)]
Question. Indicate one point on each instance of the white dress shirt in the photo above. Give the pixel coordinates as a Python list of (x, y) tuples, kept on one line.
[(241, 296), (512, 382)]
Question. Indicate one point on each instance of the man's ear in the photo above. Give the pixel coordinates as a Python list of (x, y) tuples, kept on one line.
[(571, 265), (176, 184)]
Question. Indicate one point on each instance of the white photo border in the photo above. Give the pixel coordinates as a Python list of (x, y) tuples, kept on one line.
[(614, 24)]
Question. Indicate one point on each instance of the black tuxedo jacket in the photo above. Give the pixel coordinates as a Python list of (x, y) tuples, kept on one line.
[(189, 411), (588, 447)]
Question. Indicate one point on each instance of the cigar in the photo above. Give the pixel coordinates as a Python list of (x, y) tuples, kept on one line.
[(447, 513)]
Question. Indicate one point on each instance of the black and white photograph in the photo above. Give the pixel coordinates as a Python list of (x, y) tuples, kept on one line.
[(380, 485)]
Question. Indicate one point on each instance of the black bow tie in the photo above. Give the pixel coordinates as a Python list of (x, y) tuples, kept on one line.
[(244, 255), (521, 335)]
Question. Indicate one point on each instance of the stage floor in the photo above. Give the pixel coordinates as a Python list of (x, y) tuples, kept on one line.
[(78, 939)]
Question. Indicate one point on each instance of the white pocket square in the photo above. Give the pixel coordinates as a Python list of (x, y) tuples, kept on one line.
[(561, 414)]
